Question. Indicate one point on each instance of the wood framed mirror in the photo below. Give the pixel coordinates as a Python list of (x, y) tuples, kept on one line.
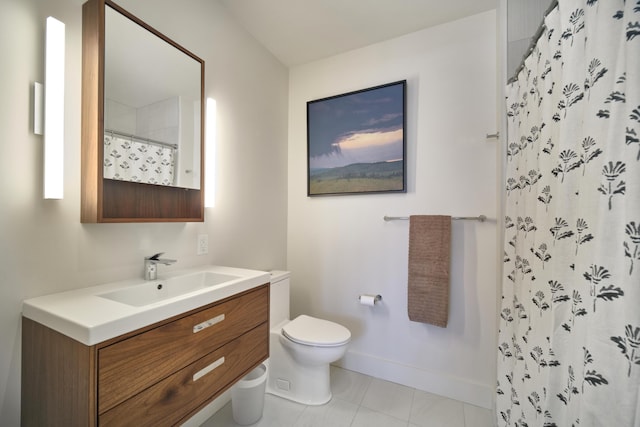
[(142, 122)]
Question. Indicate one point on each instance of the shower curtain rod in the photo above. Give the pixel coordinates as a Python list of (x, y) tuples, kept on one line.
[(534, 41), (480, 218), (141, 139)]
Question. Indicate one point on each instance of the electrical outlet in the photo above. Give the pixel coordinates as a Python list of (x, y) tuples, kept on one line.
[(203, 244)]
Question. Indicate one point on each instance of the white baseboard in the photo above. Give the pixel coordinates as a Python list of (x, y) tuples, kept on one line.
[(443, 385)]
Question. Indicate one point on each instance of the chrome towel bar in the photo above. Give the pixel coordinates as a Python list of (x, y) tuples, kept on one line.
[(480, 218)]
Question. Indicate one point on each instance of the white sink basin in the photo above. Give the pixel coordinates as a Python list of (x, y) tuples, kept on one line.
[(159, 290), (98, 313)]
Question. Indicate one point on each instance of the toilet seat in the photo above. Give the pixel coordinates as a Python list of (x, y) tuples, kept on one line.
[(307, 330)]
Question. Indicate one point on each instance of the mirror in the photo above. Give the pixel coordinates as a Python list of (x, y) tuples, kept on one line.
[(142, 121), (151, 107)]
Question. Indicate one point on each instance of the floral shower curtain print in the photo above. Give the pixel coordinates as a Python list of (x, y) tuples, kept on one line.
[(569, 340), (130, 160)]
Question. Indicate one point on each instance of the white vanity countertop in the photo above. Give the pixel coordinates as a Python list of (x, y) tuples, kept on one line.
[(90, 319)]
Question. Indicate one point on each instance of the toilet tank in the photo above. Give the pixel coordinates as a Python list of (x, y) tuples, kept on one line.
[(279, 297)]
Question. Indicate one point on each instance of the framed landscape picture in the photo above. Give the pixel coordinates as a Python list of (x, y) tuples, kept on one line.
[(356, 142)]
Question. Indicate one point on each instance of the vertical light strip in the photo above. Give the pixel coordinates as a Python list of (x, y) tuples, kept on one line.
[(54, 110), (38, 108), (210, 155)]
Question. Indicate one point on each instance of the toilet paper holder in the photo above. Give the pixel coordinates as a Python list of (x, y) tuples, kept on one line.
[(376, 298)]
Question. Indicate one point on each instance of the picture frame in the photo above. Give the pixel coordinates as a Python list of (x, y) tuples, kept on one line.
[(356, 142)]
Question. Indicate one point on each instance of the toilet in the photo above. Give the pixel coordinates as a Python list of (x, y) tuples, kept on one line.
[(300, 350)]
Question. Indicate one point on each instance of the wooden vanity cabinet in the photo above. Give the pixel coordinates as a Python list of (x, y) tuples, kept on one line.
[(159, 375)]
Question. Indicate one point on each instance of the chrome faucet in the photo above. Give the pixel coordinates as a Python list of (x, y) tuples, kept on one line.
[(151, 265)]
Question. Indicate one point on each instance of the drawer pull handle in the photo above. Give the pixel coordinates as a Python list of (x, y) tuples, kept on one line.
[(204, 325), (204, 371)]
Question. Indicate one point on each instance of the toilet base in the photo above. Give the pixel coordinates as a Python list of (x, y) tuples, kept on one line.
[(289, 379), (308, 385), (294, 399)]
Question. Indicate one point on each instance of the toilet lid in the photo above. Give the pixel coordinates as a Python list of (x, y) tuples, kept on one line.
[(308, 330)]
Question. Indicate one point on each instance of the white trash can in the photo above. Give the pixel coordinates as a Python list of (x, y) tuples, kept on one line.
[(247, 396)]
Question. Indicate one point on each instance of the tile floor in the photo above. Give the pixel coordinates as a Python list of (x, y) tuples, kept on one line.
[(363, 401)]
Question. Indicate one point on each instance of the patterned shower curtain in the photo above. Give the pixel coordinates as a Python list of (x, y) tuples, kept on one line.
[(138, 161), (569, 327)]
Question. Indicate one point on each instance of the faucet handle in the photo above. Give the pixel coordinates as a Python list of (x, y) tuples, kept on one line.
[(155, 257)]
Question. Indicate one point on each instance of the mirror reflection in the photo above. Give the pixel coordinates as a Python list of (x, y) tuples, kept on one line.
[(152, 107)]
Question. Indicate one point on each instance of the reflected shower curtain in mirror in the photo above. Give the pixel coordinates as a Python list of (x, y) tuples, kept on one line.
[(128, 159), (569, 327)]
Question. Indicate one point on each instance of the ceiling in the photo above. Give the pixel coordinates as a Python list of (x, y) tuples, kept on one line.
[(301, 31)]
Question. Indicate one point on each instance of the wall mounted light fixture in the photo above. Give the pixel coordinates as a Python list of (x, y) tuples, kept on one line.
[(210, 155), (54, 110), (38, 108)]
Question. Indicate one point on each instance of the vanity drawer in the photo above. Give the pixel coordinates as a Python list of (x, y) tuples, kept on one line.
[(127, 367), (167, 402)]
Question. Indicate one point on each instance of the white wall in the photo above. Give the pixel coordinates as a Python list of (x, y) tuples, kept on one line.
[(340, 247), (43, 246), (523, 20)]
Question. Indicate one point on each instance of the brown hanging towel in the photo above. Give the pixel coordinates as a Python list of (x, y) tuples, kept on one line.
[(429, 264)]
